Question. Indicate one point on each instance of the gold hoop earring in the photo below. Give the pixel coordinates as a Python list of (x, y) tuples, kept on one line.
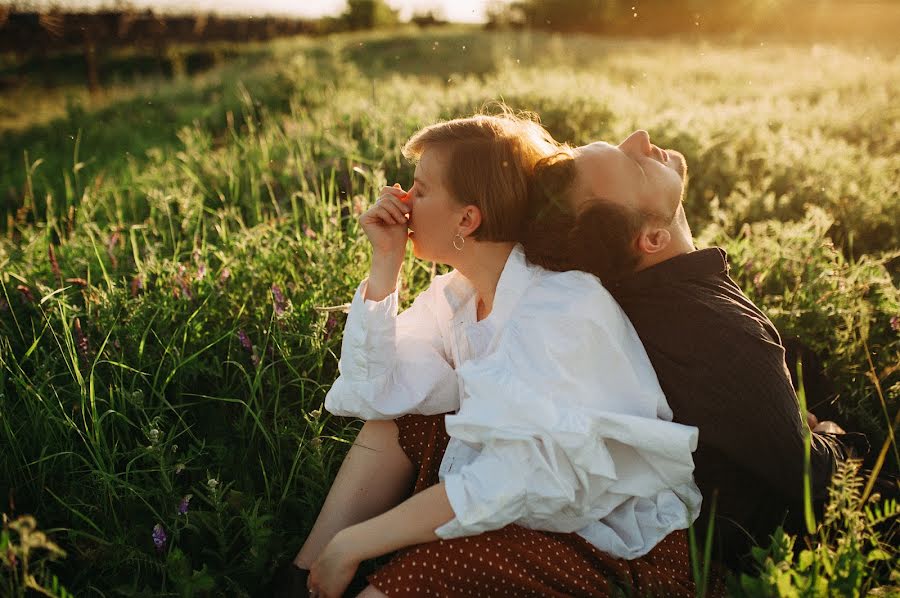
[(462, 242)]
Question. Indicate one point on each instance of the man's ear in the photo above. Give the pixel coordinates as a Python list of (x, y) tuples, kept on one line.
[(469, 220), (653, 240)]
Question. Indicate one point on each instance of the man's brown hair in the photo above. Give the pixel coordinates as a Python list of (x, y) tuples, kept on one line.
[(490, 160), (599, 238)]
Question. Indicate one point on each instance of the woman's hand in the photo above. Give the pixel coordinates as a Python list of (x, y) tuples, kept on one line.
[(386, 226), (333, 571), (385, 223)]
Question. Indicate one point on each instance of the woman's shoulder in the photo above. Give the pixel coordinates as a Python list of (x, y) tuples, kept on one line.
[(568, 293)]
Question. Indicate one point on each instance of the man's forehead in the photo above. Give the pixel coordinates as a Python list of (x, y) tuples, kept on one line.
[(595, 146), (602, 167)]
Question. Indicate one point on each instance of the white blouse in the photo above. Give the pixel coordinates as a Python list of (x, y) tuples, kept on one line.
[(560, 423)]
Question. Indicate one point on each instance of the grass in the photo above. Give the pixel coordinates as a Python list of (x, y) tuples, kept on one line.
[(165, 259)]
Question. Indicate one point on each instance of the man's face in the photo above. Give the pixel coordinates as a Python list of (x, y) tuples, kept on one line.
[(635, 173)]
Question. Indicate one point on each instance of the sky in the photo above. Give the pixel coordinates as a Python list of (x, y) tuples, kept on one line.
[(454, 10)]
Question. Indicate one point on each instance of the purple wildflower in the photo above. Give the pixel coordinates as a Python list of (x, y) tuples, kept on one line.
[(81, 343), (159, 537), (183, 504), (245, 340), (182, 280), (201, 271), (895, 323), (330, 325), (225, 275), (309, 232), (280, 301)]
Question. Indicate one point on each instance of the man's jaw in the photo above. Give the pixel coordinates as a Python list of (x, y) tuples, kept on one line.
[(679, 164)]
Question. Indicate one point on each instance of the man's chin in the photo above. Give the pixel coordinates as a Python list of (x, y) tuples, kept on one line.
[(680, 165)]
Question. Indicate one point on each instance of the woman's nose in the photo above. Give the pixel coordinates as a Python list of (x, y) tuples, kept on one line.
[(639, 141)]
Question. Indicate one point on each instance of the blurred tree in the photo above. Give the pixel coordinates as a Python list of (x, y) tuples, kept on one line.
[(640, 17), (369, 14), (429, 18)]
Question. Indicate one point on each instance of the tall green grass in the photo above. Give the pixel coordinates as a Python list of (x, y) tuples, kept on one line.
[(163, 331)]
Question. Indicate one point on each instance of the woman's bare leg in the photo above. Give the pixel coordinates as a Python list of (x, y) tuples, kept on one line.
[(376, 475), (371, 592)]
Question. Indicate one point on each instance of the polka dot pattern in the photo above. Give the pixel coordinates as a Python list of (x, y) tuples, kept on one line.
[(518, 561)]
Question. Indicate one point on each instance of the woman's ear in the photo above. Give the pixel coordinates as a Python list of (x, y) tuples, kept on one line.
[(653, 240), (469, 220)]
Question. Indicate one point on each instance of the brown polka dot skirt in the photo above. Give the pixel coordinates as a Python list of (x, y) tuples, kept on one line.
[(518, 561)]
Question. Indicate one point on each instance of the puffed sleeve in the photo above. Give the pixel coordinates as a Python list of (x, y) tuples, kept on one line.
[(565, 415), (392, 365)]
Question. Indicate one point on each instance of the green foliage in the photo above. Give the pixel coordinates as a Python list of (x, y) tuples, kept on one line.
[(846, 555), (169, 322), (369, 14), (25, 555), (844, 309)]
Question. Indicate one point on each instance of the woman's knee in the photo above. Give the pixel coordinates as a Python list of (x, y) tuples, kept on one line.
[(371, 592), (379, 433)]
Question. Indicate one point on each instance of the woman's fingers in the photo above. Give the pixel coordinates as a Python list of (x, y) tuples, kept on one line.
[(396, 190), (379, 214), (389, 214), (395, 206), (396, 214), (399, 204)]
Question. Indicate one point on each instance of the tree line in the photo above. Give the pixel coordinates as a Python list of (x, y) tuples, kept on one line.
[(878, 18)]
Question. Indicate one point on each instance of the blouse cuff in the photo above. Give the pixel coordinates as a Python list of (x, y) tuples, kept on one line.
[(456, 494), (481, 500), (368, 323)]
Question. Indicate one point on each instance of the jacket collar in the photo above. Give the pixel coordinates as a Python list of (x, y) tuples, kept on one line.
[(695, 264)]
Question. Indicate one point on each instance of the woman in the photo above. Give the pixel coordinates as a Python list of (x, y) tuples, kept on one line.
[(555, 470)]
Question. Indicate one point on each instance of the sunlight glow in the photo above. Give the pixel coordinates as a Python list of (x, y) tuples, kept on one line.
[(462, 11)]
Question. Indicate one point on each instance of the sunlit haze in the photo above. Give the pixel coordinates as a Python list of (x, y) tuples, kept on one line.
[(463, 11)]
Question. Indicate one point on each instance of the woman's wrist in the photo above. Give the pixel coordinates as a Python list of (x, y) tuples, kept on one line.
[(351, 546), (383, 276)]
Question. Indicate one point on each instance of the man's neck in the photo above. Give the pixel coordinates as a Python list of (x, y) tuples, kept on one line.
[(682, 242)]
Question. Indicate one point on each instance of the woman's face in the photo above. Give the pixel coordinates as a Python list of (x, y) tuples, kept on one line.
[(434, 214)]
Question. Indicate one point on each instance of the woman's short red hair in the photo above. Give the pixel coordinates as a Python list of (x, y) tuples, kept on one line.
[(490, 159)]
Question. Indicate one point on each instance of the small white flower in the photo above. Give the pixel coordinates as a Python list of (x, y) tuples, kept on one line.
[(213, 483)]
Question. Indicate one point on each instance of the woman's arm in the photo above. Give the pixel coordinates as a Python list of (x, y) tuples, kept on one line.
[(391, 364), (409, 523)]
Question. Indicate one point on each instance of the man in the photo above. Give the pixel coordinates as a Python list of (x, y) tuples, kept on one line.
[(718, 358)]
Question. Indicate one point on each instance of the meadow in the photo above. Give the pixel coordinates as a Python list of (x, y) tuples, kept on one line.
[(172, 264)]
